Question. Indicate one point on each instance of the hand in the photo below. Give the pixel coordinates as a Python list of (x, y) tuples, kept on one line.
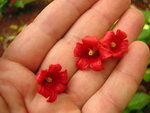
[(51, 38)]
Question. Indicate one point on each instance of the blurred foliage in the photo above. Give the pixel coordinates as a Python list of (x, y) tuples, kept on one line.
[(145, 34), (147, 74), (22, 3), (139, 102), (2, 3), (142, 4), (8, 5)]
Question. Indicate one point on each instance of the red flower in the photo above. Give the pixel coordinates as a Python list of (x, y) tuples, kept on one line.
[(91, 53), (117, 43), (52, 82)]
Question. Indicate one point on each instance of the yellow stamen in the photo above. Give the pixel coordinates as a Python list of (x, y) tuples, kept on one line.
[(91, 52), (49, 79), (113, 44)]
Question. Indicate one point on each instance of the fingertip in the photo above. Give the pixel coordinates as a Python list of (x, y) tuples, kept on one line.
[(135, 61), (138, 13), (131, 22), (142, 48)]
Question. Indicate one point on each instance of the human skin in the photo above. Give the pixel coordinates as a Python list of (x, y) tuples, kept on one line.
[(51, 38)]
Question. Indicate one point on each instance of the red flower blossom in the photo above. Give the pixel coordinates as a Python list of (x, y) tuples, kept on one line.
[(117, 43), (90, 53), (52, 82)]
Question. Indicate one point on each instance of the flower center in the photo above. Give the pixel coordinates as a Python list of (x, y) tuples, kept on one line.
[(91, 52), (113, 44), (49, 79)]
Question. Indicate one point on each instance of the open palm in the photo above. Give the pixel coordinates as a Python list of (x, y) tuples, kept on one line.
[(51, 38)]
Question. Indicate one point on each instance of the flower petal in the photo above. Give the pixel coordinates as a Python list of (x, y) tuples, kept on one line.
[(124, 46), (52, 97), (120, 35), (63, 77), (105, 53), (90, 40), (118, 54), (82, 63), (78, 51), (55, 68), (48, 93), (41, 76), (44, 91), (97, 65), (59, 88), (108, 37)]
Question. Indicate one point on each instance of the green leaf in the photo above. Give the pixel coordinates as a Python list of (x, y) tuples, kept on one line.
[(127, 110), (1, 14), (21, 28), (139, 101), (28, 1), (19, 4), (14, 27), (10, 38), (2, 3), (144, 36), (1, 38), (147, 75), (149, 62), (22, 3), (147, 16), (140, 111)]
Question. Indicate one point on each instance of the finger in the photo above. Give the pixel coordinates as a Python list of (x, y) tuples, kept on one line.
[(131, 22), (63, 104), (126, 23), (17, 81), (95, 21), (31, 46), (3, 106), (119, 88), (14, 98)]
